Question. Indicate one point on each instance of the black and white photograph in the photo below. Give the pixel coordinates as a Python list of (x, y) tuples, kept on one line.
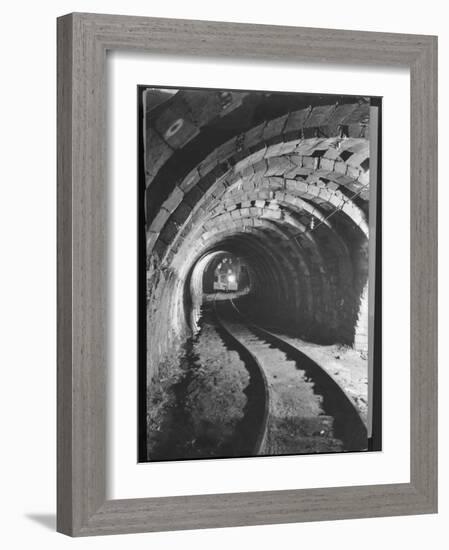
[(220, 292), (259, 273)]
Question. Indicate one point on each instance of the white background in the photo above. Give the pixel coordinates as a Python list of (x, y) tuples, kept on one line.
[(28, 308), (131, 480)]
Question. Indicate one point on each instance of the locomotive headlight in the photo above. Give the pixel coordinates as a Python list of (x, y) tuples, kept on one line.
[(231, 278)]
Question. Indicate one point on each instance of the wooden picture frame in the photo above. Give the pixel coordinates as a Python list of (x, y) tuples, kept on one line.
[(83, 40)]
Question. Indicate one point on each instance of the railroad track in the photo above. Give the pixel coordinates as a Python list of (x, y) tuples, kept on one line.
[(304, 409)]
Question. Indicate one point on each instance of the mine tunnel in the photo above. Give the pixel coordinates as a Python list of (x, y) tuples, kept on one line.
[(260, 198)]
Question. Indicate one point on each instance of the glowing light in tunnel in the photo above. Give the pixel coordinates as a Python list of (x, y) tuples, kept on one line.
[(231, 278)]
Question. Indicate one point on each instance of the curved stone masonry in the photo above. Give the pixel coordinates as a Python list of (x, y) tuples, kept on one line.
[(289, 195)]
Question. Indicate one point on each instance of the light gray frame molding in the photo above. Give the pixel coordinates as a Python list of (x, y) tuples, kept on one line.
[(83, 40)]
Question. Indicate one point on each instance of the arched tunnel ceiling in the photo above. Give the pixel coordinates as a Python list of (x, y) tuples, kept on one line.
[(287, 188)]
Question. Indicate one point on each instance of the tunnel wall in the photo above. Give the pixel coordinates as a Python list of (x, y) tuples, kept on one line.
[(289, 195), (167, 326)]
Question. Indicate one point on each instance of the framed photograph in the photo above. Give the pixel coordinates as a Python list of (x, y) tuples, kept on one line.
[(255, 271), (246, 274)]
